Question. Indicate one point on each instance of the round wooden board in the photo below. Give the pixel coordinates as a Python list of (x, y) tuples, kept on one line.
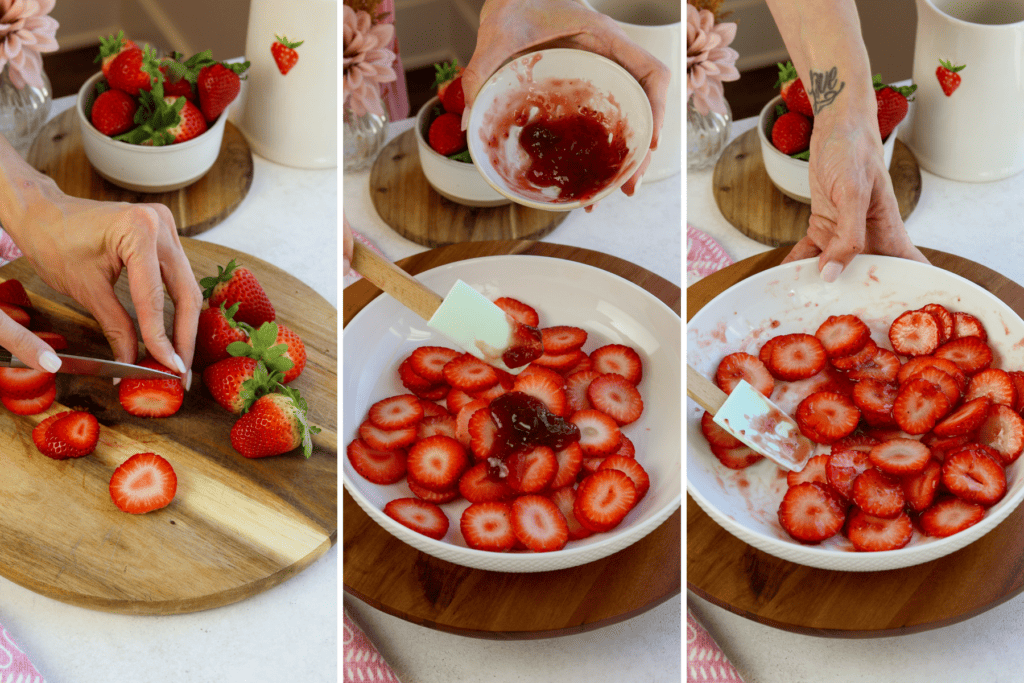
[(58, 152), (766, 589), (405, 200), (236, 527), (754, 206), (398, 579)]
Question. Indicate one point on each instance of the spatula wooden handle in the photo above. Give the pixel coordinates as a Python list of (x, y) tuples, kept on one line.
[(702, 390), (407, 290)]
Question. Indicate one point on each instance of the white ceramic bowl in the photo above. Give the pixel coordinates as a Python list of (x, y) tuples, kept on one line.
[(611, 309), (563, 81), (148, 169), (790, 175), (457, 181), (876, 288)]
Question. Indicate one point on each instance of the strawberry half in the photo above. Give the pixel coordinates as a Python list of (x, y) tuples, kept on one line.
[(236, 284), (604, 499), (740, 365), (419, 515), (143, 483), (538, 524), (151, 397), (876, 534), (376, 466), (488, 526), (810, 513)]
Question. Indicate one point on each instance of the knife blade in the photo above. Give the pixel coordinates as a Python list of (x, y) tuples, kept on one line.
[(83, 365)]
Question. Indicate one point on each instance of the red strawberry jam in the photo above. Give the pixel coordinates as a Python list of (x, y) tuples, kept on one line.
[(526, 345), (524, 421)]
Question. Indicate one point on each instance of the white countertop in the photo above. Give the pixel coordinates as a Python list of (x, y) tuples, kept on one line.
[(645, 230), (982, 222), (288, 633)]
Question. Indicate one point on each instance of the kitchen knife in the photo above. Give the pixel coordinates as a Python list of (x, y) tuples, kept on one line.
[(752, 418), (465, 315), (81, 365)]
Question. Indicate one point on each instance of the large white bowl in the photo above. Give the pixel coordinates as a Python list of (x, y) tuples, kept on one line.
[(793, 298), (587, 78), (141, 168), (611, 309)]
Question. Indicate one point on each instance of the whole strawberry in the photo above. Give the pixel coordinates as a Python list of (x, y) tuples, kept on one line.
[(277, 346), (126, 71), (236, 284), (191, 123), (446, 136), (274, 424), (892, 104), (113, 112), (448, 81), (218, 86), (791, 133), (949, 76), (111, 47), (792, 90), (238, 380), (216, 330), (285, 56)]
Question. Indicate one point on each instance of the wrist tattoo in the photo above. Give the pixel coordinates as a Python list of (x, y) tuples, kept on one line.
[(824, 88)]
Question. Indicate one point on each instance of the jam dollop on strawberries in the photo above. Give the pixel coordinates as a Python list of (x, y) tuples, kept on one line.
[(523, 421), (526, 345)]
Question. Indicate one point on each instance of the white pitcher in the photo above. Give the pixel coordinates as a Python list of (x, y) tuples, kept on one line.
[(976, 134)]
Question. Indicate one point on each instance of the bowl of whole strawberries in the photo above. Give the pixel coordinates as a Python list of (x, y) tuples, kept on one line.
[(910, 381), (153, 124), (785, 124)]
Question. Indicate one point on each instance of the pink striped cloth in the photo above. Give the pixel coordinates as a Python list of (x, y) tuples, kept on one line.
[(8, 249), (362, 661), (14, 664), (703, 255)]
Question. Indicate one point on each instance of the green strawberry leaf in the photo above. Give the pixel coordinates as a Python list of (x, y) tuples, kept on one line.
[(787, 72), (948, 65), (299, 413), (284, 41), (444, 72), (804, 155), (223, 275), (462, 156), (780, 109)]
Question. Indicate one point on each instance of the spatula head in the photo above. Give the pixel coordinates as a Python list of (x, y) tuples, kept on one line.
[(753, 419)]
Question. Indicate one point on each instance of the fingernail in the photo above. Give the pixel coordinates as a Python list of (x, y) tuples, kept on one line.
[(636, 188), (179, 364), (188, 380), (117, 380), (50, 361), (831, 271), (465, 119)]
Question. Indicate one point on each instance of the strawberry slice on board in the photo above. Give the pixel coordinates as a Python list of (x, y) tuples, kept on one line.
[(826, 416), (604, 499), (972, 475), (869, 533), (539, 524), (419, 515), (797, 356), (810, 513), (616, 397), (950, 516), (376, 466), (488, 526), (151, 397), (437, 462), (143, 483), (743, 366), (74, 435)]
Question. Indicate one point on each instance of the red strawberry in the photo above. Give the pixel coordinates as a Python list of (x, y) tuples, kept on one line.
[(994, 383), (469, 373), (464, 416), (791, 133), (914, 333), (875, 534), (715, 434), (842, 335), (950, 516), (914, 366), (900, 457), (565, 499), (110, 47), (966, 325), (531, 471), (875, 400), (948, 75), (448, 81), (396, 412), (570, 462), (599, 434), (143, 483), (274, 424), (113, 112), (218, 85), (477, 486), (285, 56), (796, 356), (125, 71), (436, 497), (17, 314), (946, 384), (190, 123), (488, 526), (562, 338), (825, 416), (538, 524), (428, 362), (736, 458), (33, 405), (740, 365), (620, 359), (226, 378), (944, 317), (1003, 431), (971, 354), (792, 90), (883, 366), (856, 360), (179, 77), (437, 462), (919, 490), (641, 480), (878, 494), (576, 386), (919, 406), (415, 383), (522, 312), (436, 424), (376, 466), (857, 441), (24, 382), (972, 475), (446, 136), (39, 431), (387, 439), (965, 419), (217, 329), (810, 513), (151, 397), (482, 434), (560, 362), (604, 499), (13, 292), (892, 104), (1018, 383), (843, 468), (74, 435), (813, 471), (615, 396), (544, 388), (236, 284), (940, 445), (419, 515)]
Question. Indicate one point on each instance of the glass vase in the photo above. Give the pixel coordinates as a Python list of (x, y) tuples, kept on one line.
[(706, 136), (365, 136), (23, 111)]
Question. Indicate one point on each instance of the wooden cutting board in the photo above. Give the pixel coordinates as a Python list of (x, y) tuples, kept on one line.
[(405, 200), (398, 579), (759, 586), (58, 152), (753, 205), (236, 527)]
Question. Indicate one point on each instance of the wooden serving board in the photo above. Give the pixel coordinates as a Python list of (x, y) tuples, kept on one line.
[(405, 200), (753, 205), (236, 526), (58, 152), (398, 579), (759, 586)]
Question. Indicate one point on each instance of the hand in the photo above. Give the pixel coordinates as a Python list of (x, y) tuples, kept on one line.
[(511, 27), (346, 246), (853, 207), (79, 247)]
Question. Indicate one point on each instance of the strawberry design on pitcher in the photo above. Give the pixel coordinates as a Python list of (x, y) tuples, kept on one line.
[(948, 75), (284, 53)]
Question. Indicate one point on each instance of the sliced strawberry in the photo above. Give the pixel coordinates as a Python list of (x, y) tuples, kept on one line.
[(463, 417), (994, 383), (531, 471), (576, 386), (1018, 384), (74, 435), (919, 490), (965, 419), (918, 364), (764, 354), (431, 409), (411, 380), (17, 314), (488, 526), (376, 466), (810, 513), (742, 366), (599, 434), (971, 475), (900, 457), (543, 387), (842, 335), (919, 406), (490, 394), (604, 499), (538, 523), (570, 462), (581, 366), (387, 439), (813, 471), (877, 493), (436, 424), (1003, 431), (456, 400), (419, 515), (966, 325), (143, 483), (884, 366), (482, 433), (469, 373), (562, 338), (914, 333), (858, 441), (620, 359), (435, 497), (616, 397), (634, 470), (13, 292), (24, 382), (151, 397), (565, 499), (715, 434), (428, 362), (940, 445), (970, 354), (39, 431), (560, 362), (737, 458), (33, 405), (437, 462), (797, 356), (946, 384), (825, 416), (843, 467), (56, 340), (626, 448), (856, 360), (875, 400), (524, 313), (945, 319), (869, 533), (396, 412), (477, 486), (950, 516)]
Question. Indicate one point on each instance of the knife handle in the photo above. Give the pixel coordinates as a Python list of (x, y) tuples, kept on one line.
[(702, 390), (405, 289)]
